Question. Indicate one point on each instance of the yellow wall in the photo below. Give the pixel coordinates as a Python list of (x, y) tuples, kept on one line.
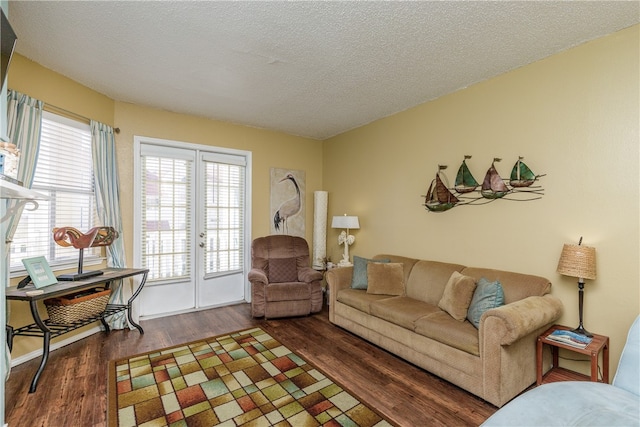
[(573, 116), (269, 149)]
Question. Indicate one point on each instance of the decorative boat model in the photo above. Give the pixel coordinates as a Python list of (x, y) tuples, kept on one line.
[(465, 182), (521, 175), (493, 187), (439, 198)]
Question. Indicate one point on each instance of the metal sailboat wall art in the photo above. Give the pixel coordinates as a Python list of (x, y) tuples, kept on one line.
[(493, 187), (465, 182), (439, 198), (467, 190)]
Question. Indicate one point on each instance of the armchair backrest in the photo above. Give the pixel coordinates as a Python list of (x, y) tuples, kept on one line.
[(628, 372), (277, 255)]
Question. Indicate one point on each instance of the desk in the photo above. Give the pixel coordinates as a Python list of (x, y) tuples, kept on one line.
[(599, 343), (47, 329)]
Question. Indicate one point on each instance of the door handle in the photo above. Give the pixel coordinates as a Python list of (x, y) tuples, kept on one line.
[(201, 244)]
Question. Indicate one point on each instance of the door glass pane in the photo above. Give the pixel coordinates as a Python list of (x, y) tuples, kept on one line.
[(166, 217), (224, 197)]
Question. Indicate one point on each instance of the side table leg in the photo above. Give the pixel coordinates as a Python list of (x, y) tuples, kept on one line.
[(45, 344), (605, 363), (539, 361), (10, 337), (43, 362), (133, 297)]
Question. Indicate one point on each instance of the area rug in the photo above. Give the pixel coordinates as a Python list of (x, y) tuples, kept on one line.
[(246, 378)]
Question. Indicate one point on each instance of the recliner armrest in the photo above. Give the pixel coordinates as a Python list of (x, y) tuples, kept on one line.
[(308, 275), (257, 275)]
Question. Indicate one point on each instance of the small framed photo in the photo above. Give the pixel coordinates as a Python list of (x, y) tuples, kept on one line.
[(40, 272)]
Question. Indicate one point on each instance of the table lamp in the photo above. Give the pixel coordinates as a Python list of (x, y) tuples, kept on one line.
[(578, 261), (347, 222)]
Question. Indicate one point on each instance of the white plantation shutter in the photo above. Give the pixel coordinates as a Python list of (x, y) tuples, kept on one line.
[(167, 176), (64, 173), (224, 213)]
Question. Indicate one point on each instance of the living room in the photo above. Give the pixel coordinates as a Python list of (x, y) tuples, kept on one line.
[(573, 116)]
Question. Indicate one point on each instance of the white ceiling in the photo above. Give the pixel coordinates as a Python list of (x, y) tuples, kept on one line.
[(313, 68)]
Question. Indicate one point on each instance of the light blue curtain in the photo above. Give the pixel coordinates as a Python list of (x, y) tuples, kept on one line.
[(107, 188), (23, 128), (24, 123)]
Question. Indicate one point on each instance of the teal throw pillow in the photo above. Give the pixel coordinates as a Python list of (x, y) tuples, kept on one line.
[(487, 295), (359, 279)]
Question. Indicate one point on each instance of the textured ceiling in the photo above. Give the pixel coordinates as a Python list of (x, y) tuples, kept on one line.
[(314, 68)]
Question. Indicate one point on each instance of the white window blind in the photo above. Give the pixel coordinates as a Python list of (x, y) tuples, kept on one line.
[(64, 172), (224, 217), (166, 217)]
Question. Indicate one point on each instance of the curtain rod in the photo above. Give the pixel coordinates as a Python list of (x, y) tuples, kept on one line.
[(70, 114)]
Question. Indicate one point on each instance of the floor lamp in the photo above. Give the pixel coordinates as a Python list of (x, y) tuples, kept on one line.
[(578, 261)]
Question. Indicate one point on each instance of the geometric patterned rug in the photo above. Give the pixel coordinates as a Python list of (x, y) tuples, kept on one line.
[(246, 378)]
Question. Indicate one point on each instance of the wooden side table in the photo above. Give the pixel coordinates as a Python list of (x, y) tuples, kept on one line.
[(600, 343)]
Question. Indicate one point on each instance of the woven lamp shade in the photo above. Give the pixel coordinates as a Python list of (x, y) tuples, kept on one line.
[(578, 261)]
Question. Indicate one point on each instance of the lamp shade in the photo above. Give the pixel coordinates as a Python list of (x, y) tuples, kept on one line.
[(345, 221), (578, 261)]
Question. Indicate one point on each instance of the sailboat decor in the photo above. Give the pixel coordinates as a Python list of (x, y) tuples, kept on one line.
[(466, 190), (439, 198)]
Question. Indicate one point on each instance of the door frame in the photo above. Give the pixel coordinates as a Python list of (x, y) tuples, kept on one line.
[(138, 141)]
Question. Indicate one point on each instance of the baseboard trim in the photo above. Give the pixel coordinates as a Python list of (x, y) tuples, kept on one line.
[(54, 346)]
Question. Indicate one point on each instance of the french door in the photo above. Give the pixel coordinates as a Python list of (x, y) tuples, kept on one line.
[(191, 216)]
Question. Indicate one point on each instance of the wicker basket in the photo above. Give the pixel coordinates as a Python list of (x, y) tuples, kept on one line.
[(74, 307)]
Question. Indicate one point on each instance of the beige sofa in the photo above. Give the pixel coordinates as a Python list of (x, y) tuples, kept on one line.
[(496, 362)]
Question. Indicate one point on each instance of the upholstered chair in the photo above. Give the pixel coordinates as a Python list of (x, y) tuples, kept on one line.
[(282, 282)]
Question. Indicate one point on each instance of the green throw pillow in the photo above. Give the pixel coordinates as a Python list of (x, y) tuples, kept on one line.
[(487, 295), (359, 278)]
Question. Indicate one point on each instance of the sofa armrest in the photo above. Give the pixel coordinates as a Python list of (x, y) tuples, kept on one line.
[(309, 275), (257, 275), (339, 278), (520, 318)]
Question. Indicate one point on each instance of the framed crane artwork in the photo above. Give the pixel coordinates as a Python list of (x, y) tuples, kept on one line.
[(287, 202)]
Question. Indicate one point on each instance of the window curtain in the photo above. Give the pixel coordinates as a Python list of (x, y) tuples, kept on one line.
[(23, 128), (107, 190), (24, 120)]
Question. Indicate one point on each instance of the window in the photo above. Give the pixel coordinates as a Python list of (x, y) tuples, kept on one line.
[(64, 173)]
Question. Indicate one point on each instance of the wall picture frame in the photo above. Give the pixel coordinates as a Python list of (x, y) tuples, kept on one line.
[(39, 271)]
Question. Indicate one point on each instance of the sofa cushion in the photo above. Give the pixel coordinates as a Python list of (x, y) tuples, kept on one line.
[(429, 278), (358, 299), (402, 311), (457, 295), (385, 278), (487, 295), (445, 329), (283, 270), (359, 278)]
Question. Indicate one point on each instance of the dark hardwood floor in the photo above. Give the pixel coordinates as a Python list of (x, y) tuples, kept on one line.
[(73, 388)]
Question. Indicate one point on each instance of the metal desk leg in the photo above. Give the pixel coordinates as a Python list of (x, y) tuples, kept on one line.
[(133, 297), (45, 344), (9, 337)]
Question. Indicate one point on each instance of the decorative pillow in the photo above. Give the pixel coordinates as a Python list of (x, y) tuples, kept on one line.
[(359, 278), (283, 270), (488, 295), (457, 295), (385, 278)]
